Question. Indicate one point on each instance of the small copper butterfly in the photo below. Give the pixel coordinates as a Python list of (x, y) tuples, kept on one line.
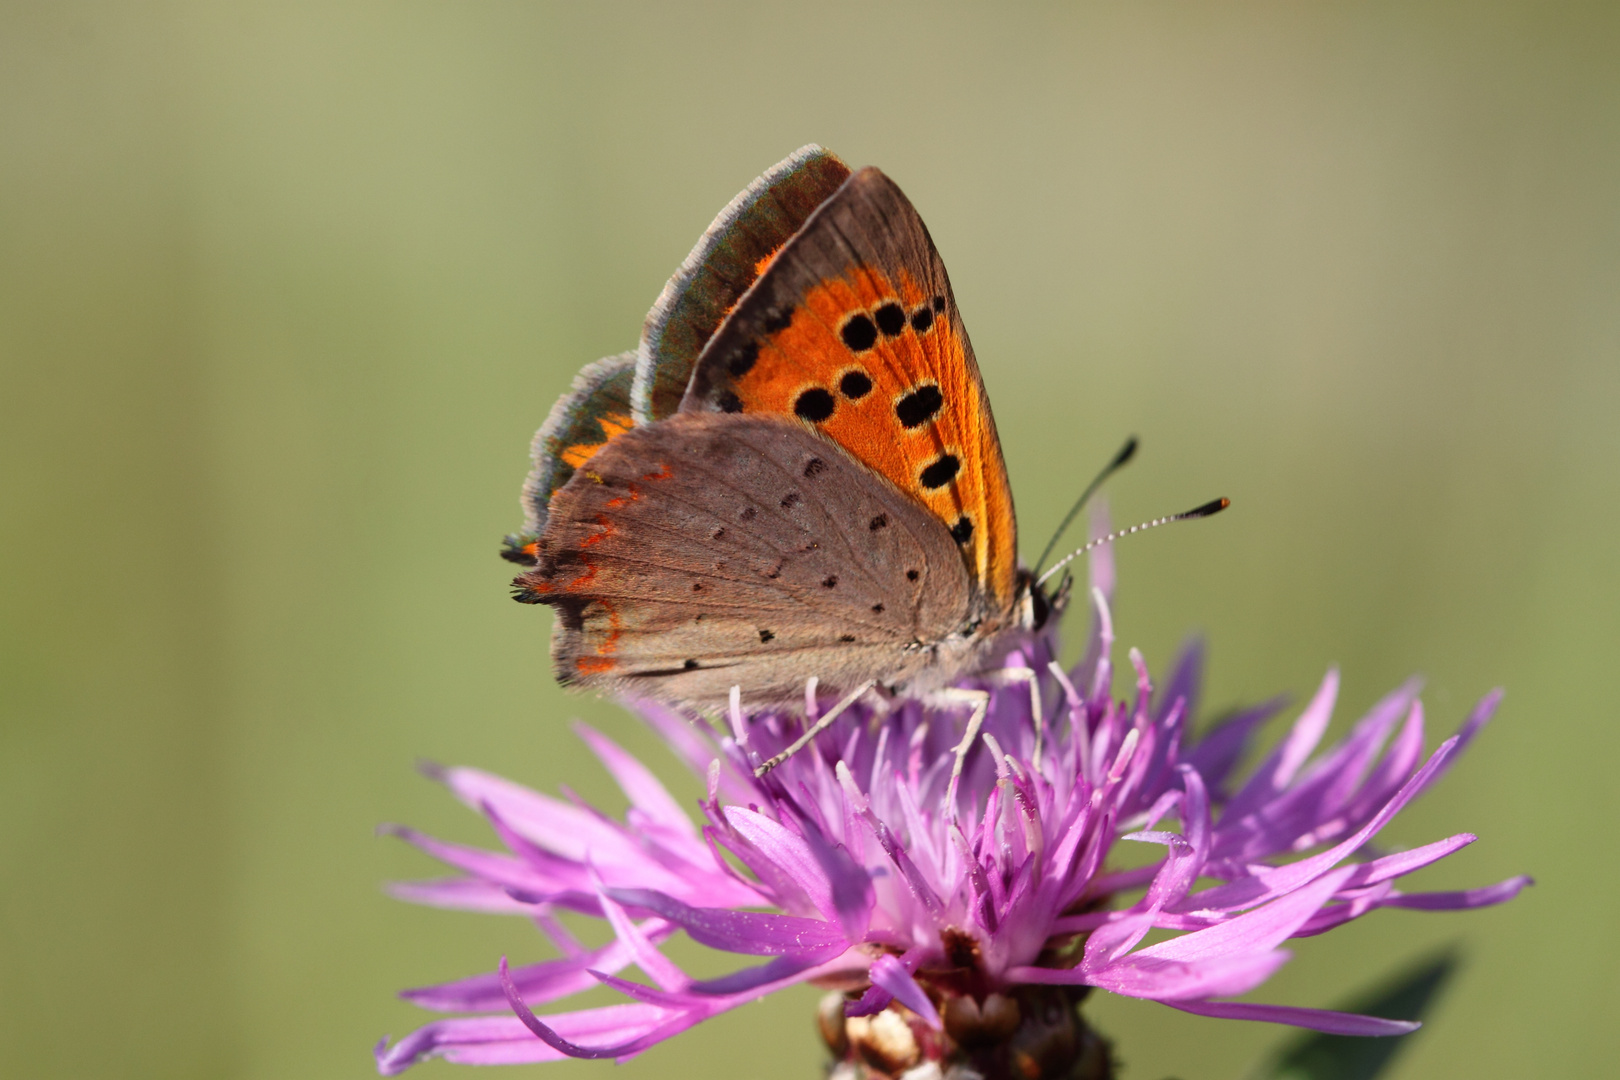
[(795, 475)]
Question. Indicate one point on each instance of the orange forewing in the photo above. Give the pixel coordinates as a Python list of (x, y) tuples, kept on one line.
[(809, 354)]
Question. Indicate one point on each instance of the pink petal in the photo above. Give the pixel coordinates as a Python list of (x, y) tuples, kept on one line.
[(1279, 768), (462, 894), (658, 967), (1334, 1023), (635, 1037), (1162, 980), (552, 823), (837, 887), (1499, 893), (537, 983), (889, 973), (755, 933), (1268, 883), (1260, 930), (640, 786)]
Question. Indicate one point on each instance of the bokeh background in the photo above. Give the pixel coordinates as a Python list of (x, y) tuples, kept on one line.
[(285, 288)]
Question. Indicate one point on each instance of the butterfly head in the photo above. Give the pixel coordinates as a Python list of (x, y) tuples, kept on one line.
[(1034, 608), (991, 633)]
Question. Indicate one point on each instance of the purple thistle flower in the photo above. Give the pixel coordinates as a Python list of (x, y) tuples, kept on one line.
[(953, 916)]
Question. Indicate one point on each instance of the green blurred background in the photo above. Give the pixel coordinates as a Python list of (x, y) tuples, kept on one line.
[(284, 289)]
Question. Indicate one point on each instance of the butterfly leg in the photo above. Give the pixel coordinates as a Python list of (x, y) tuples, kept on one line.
[(980, 701), (815, 729)]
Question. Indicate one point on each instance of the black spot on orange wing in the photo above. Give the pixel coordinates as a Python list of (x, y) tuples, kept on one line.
[(855, 385), (941, 471), (814, 405), (962, 531), (939, 305), (890, 318), (918, 407), (922, 320), (858, 333)]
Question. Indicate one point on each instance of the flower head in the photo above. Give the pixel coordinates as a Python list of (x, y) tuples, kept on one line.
[(953, 911)]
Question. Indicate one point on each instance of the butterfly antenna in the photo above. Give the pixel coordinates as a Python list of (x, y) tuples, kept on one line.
[(1125, 454), (1209, 509)]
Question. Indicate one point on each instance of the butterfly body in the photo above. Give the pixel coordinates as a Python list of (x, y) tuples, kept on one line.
[(828, 497)]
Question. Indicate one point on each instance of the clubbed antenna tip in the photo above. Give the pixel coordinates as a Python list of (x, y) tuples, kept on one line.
[(1209, 509), (1214, 506)]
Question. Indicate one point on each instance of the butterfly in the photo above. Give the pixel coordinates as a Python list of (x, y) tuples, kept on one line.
[(796, 475)]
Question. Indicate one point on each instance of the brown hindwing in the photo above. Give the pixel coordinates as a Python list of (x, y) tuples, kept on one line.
[(706, 550)]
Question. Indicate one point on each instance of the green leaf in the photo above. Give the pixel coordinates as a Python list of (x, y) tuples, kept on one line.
[(1407, 996)]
